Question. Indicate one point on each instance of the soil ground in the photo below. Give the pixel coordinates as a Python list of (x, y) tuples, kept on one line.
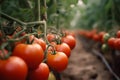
[(83, 65)]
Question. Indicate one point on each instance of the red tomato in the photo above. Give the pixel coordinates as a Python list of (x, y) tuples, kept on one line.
[(41, 43), (69, 33), (31, 53), (118, 34), (70, 40), (111, 42), (96, 37), (101, 34), (58, 61), (40, 73), (13, 68), (50, 37), (117, 43), (63, 47)]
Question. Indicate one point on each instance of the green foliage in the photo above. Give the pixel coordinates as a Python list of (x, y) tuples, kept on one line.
[(102, 13), (18, 9)]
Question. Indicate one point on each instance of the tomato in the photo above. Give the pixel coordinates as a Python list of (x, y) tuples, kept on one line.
[(13, 68), (69, 33), (51, 76), (101, 34), (111, 42), (117, 43), (40, 73), (96, 37), (50, 37), (118, 34), (106, 36), (105, 47), (63, 47), (58, 62), (31, 53), (70, 40), (41, 43)]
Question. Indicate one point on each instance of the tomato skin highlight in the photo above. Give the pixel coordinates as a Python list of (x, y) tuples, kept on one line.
[(13, 68), (70, 40), (58, 62), (63, 47), (32, 54), (40, 73)]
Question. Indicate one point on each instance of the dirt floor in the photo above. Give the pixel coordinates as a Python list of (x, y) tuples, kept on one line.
[(83, 65)]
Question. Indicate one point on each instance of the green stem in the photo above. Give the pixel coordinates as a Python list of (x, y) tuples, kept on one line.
[(39, 17), (11, 18), (18, 39), (35, 22), (2, 49)]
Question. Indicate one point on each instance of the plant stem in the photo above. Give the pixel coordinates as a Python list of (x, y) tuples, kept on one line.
[(11, 18), (39, 17)]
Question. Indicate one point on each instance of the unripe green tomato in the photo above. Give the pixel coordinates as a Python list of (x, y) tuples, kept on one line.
[(51, 76), (105, 47), (106, 37)]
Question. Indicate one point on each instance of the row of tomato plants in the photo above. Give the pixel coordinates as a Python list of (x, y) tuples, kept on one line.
[(32, 58), (108, 40)]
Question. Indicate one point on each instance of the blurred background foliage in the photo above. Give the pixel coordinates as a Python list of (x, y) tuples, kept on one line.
[(72, 14)]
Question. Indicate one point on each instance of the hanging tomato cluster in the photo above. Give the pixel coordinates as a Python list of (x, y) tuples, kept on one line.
[(27, 56)]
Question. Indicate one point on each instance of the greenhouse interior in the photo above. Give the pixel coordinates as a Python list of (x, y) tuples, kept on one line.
[(59, 39)]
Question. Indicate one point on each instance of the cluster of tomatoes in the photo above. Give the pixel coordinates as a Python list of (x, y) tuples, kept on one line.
[(107, 39), (35, 60)]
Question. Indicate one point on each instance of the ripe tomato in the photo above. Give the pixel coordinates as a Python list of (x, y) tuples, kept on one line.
[(70, 40), (69, 33), (13, 68), (101, 34), (40, 73), (96, 37), (111, 42), (31, 53), (63, 47), (117, 43), (41, 43), (50, 37), (118, 34), (58, 61)]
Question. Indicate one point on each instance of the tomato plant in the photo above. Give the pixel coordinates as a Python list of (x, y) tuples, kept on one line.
[(40, 73), (58, 61), (31, 53), (13, 68)]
